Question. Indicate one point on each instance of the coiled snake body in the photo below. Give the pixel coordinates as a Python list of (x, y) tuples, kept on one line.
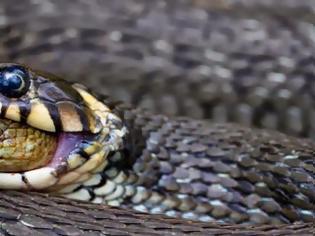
[(98, 150)]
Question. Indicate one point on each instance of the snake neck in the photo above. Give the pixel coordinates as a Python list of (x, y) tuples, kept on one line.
[(160, 168), (132, 171)]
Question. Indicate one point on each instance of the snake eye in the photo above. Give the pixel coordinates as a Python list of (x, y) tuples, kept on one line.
[(14, 81)]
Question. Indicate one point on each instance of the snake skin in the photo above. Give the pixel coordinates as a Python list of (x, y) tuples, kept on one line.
[(252, 176), (245, 61), (34, 214), (230, 61)]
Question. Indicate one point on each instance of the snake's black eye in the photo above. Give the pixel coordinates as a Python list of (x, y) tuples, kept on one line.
[(14, 81)]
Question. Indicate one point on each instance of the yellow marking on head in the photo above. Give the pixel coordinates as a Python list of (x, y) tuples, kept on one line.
[(13, 112), (69, 117), (99, 109), (74, 161), (94, 123), (91, 101), (94, 161), (92, 148), (40, 118)]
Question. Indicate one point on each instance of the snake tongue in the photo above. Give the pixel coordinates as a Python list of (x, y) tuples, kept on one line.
[(66, 143)]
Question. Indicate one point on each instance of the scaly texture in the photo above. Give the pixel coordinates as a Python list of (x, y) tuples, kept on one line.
[(258, 67), (246, 61), (34, 214), (18, 147), (199, 171)]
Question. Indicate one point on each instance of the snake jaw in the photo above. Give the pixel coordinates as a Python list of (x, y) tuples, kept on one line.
[(86, 129), (76, 159)]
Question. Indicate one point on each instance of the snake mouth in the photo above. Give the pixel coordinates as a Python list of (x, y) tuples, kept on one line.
[(34, 159), (52, 133), (66, 143)]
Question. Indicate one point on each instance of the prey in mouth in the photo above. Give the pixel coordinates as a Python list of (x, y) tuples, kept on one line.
[(53, 134)]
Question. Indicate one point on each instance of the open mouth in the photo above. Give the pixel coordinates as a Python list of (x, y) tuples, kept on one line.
[(52, 133), (66, 143), (23, 148)]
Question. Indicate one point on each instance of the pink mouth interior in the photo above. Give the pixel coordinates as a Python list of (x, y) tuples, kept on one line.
[(66, 143)]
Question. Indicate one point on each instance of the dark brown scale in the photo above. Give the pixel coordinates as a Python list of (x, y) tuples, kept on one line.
[(250, 174), (159, 81), (170, 69), (234, 44), (57, 91)]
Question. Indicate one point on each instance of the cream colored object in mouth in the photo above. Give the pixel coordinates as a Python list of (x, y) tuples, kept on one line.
[(24, 148)]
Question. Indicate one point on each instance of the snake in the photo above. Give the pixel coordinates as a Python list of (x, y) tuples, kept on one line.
[(62, 138)]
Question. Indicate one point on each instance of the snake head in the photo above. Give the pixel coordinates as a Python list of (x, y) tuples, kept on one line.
[(52, 132), (46, 102)]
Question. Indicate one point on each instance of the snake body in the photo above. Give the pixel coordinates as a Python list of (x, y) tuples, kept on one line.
[(179, 167)]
